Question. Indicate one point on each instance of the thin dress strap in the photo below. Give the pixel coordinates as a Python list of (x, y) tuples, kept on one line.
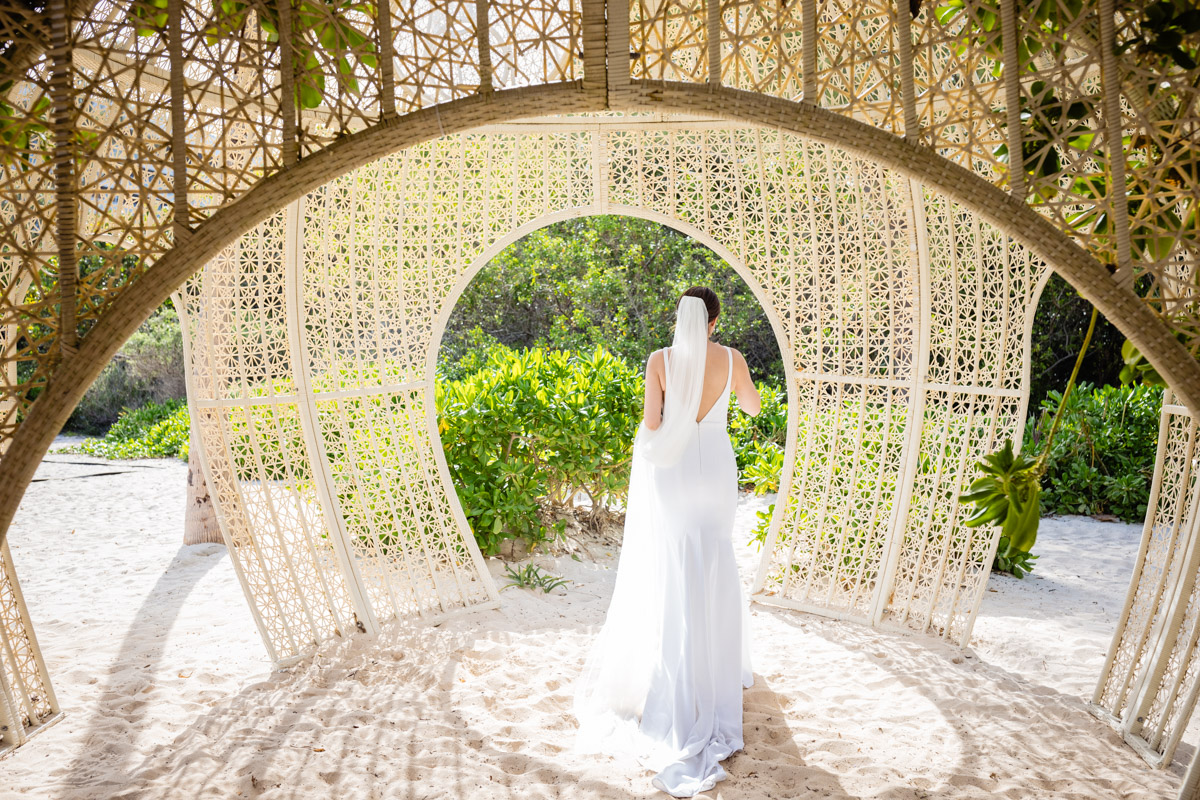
[(729, 380)]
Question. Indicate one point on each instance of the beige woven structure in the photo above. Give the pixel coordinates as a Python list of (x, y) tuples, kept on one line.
[(313, 342), (131, 160), (1151, 678)]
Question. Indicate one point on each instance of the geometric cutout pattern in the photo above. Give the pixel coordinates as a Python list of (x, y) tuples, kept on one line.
[(27, 701), (905, 348)]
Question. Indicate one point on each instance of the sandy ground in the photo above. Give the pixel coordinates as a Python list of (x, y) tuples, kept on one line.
[(168, 694)]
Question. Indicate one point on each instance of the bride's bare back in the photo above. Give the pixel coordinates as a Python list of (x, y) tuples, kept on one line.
[(716, 372)]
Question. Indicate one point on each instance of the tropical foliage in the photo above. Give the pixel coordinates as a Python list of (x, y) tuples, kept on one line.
[(1007, 495), (333, 37), (538, 428), (147, 369), (1102, 460), (535, 431), (603, 281), (154, 430)]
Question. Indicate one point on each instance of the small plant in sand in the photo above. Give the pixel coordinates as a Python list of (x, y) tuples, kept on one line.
[(531, 577)]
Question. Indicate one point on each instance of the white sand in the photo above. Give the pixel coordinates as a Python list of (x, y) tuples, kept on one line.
[(168, 693)]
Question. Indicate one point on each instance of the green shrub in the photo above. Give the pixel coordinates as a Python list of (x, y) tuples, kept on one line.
[(156, 430), (532, 429), (764, 465), (1102, 459), (529, 430), (752, 437), (147, 369), (466, 354)]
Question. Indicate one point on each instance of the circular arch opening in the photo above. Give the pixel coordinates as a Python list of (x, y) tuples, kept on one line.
[(620, 392)]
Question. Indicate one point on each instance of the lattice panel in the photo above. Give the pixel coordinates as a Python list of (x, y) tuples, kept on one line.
[(411, 552), (668, 40), (1172, 700), (837, 517), (1149, 685), (379, 253), (384, 249), (857, 62), (236, 129), (1162, 166), (761, 47), (1161, 552), (246, 409), (338, 79), (960, 98), (982, 285), (943, 566), (535, 41), (26, 698), (436, 51), (1066, 142), (28, 319), (121, 125), (261, 479), (981, 288)]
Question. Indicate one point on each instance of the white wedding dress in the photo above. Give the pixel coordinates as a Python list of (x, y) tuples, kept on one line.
[(663, 681)]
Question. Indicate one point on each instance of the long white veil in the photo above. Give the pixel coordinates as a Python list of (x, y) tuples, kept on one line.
[(685, 383), (611, 691)]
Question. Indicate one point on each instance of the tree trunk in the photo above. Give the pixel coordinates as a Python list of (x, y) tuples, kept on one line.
[(200, 518)]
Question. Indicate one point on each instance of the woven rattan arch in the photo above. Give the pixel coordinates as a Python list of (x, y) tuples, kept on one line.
[(883, 298), (94, 103)]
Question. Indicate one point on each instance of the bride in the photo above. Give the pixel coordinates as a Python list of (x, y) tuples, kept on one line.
[(663, 681)]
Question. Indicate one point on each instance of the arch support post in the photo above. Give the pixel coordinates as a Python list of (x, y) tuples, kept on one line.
[(27, 701), (1149, 685), (914, 424), (62, 97), (331, 510)]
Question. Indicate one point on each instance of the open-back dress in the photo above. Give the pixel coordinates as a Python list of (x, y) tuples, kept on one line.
[(663, 681)]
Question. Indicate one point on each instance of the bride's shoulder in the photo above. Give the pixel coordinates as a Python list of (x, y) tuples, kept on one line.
[(724, 347), (738, 358)]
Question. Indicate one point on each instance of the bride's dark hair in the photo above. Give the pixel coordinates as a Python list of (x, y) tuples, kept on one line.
[(711, 301)]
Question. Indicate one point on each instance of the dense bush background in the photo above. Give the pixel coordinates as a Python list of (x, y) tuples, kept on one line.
[(1102, 459), (527, 433), (147, 369), (154, 430), (1059, 326), (604, 281)]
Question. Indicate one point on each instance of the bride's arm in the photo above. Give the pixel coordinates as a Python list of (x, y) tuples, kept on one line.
[(653, 406), (743, 386)]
